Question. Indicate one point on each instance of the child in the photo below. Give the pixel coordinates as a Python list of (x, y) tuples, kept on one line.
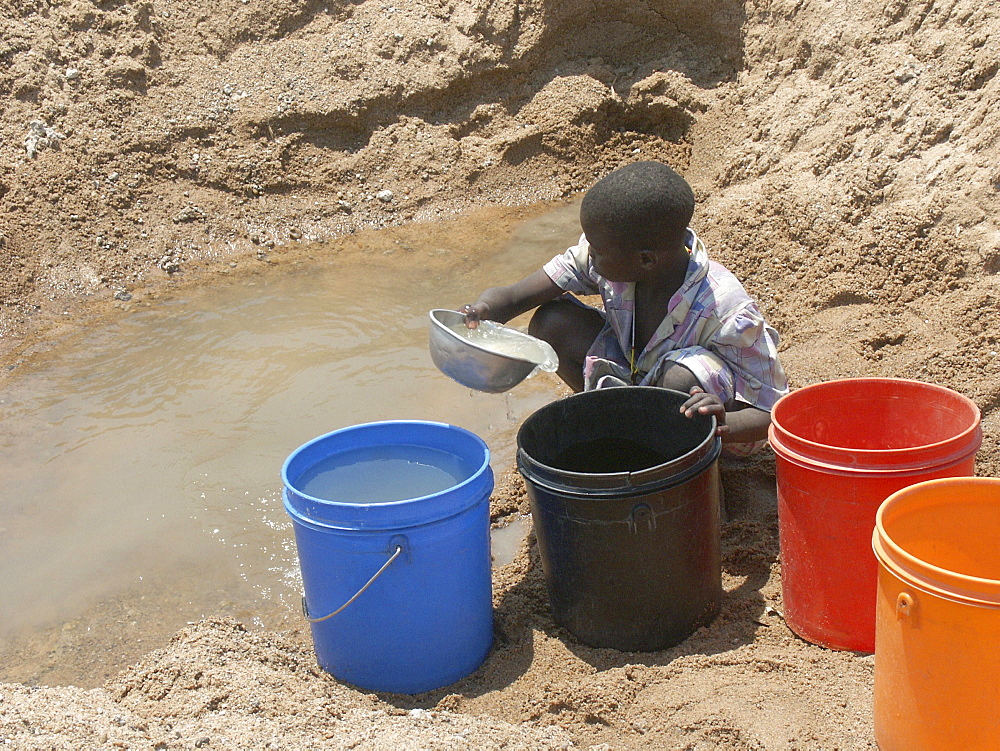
[(672, 318)]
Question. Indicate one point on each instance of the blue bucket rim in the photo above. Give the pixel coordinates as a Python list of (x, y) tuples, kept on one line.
[(403, 513)]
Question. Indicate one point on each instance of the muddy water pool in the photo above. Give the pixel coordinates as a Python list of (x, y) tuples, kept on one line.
[(141, 462)]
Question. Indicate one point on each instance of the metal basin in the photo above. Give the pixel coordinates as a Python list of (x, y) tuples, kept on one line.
[(475, 366)]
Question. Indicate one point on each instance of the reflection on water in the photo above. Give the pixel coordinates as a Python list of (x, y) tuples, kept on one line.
[(142, 463)]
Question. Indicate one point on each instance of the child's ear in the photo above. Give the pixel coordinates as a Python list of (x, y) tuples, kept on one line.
[(648, 259)]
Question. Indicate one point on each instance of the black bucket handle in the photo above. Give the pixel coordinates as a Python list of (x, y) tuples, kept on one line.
[(641, 513)]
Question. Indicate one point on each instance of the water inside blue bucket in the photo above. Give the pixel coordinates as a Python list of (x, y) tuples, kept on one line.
[(383, 474)]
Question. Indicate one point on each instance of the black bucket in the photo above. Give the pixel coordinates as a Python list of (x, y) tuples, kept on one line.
[(624, 493)]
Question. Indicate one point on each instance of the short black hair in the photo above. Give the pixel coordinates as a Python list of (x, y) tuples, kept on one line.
[(645, 204)]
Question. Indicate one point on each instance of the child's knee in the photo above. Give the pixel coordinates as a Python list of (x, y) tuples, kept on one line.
[(696, 366), (548, 320), (677, 377), (564, 322)]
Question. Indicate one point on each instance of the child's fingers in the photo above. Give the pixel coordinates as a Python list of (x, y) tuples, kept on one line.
[(703, 404), (471, 315), (701, 398), (697, 395)]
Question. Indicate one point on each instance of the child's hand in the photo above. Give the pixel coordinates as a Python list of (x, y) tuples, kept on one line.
[(474, 313), (703, 403)]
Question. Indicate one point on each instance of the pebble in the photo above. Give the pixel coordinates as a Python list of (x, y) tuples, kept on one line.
[(385, 196), (40, 136), (72, 74), (189, 213), (295, 233), (123, 296), (345, 207)]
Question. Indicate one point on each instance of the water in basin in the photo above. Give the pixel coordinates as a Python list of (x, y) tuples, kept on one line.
[(141, 461)]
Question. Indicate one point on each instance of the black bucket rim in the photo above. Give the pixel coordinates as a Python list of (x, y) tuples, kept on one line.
[(601, 484)]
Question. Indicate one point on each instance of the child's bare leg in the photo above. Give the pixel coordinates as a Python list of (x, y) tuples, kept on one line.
[(677, 377), (570, 329)]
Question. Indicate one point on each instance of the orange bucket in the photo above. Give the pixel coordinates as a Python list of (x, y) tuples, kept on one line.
[(842, 448), (937, 638)]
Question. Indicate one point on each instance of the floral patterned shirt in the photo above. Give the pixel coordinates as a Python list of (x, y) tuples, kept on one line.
[(712, 327)]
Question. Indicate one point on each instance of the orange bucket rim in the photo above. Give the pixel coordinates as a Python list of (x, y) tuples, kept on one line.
[(951, 585), (780, 432)]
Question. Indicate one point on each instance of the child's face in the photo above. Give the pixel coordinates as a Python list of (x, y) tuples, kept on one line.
[(612, 257), (618, 257), (614, 263)]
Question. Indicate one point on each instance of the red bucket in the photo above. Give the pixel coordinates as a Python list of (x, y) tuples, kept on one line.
[(842, 448)]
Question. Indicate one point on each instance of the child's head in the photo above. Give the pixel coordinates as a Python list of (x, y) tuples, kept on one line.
[(641, 206)]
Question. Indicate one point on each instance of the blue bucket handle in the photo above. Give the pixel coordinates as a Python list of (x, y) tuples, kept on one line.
[(394, 556)]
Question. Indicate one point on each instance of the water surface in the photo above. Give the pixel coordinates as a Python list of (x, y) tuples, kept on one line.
[(141, 462)]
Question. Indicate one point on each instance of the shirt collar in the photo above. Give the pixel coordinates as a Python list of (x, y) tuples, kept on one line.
[(697, 263)]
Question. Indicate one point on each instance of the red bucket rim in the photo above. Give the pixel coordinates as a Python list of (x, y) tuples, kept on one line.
[(826, 455)]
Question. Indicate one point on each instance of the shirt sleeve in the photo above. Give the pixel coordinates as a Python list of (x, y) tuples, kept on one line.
[(750, 348), (572, 270)]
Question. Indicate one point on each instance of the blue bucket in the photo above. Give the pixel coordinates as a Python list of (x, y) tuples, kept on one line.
[(398, 593)]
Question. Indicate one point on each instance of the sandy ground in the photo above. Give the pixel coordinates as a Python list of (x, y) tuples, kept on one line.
[(844, 156)]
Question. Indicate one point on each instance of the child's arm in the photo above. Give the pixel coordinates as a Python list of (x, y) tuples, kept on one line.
[(500, 304), (745, 425)]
